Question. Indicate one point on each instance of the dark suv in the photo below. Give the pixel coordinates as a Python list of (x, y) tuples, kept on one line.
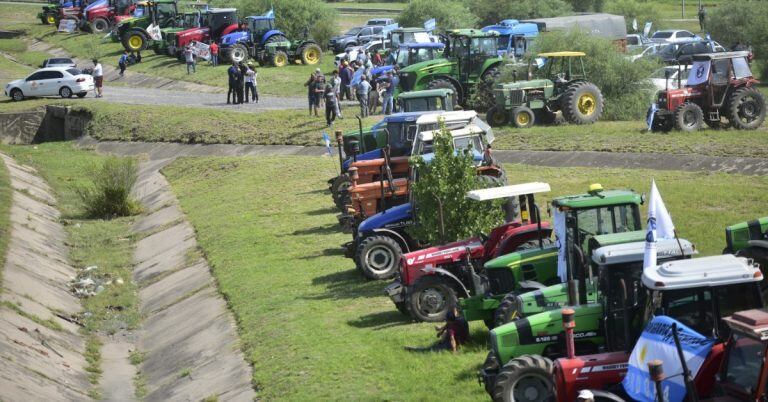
[(680, 53), (354, 37)]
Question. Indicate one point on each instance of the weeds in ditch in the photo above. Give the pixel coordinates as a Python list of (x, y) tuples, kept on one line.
[(109, 194)]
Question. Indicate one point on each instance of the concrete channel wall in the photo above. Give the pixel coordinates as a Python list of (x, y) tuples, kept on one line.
[(39, 361), (50, 123)]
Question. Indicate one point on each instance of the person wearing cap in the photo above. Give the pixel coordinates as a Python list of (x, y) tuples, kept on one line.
[(453, 334), (585, 396), (250, 83)]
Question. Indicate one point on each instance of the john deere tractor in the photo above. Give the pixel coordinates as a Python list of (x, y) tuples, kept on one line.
[(563, 87), (470, 58), (268, 45), (135, 33)]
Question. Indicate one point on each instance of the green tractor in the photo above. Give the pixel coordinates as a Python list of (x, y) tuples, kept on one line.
[(49, 13), (597, 218), (563, 88), (135, 33), (183, 21), (749, 239), (470, 58)]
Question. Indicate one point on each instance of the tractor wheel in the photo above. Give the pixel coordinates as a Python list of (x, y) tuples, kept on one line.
[(432, 297), (310, 54), (339, 193), (688, 117), (507, 311), (280, 59), (491, 364), (442, 83), (526, 378), (238, 53), (378, 257), (276, 38), (484, 98), (582, 103), (746, 109), (490, 181), (135, 41), (402, 308), (99, 25), (497, 117), (523, 117), (49, 19)]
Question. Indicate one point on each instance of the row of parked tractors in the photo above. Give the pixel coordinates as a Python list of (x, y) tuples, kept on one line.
[(510, 277), (161, 26)]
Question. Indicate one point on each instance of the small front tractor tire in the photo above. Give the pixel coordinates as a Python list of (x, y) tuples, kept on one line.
[(238, 53), (523, 117), (442, 83), (746, 109), (497, 117), (507, 310), (135, 41), (688, 117), (49, 19), (339, 193), (582, 103), (431, 298), (279, 59), (310, 54), (99, 25), (378, 257), (491, 364), (527, 378)]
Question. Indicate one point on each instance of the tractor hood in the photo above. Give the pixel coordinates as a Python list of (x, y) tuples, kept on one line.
[(191, 32), (234, 37), (370, 155), (515, 258), (540, 83), (393, 217), (425, 66), (440, 255)]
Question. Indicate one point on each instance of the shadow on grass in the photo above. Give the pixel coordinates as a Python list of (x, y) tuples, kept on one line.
[(322, 211), (329, 252), (319, 230), (349, 284), (318, 191), (381, 320)]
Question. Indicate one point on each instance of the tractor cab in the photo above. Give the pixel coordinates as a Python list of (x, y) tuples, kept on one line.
[(396, 37), (412, 53), (744, 374), (471, 49), (427, 100), (720, 92), (259, 26), (515, 37), (423, 134), (163, 13), (218, 19)]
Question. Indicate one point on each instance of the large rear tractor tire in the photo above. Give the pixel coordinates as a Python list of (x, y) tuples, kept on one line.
[(497, 117), (310, 54), (523, 117), (507, 311), (484, 98), (487, 181), (238, 53), (276, 38), (527, 378), (688, 117), (432, 297), (339, 192), (582, 103), (442, 83), (279, 59), (746, 109), (378, 257), (135, 41), (99, 25)]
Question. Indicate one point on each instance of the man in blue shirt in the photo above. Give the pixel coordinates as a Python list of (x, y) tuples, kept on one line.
[(123, 62)]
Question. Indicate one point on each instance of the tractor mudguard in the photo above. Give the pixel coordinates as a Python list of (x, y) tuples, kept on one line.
[(759, 243), (370, 155), (448, 274), (397, 236), (229, 29), (532, 285), (270, 34)]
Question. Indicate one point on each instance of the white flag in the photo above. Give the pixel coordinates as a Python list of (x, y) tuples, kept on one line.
[(634, 24), (559, 220), (659, 226)]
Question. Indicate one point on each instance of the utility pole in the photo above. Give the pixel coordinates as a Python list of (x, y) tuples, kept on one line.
[(682, 11)]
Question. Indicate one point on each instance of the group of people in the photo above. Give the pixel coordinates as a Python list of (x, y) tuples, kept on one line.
[(242, 83)]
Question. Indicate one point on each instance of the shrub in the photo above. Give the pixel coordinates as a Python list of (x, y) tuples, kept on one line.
[(744, 22), (492, 11), (632, 9), (449, 14), (623, 83), (108, 195), (442, 185)]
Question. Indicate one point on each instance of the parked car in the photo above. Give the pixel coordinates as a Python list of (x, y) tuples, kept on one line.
[(355, 37), (649, 51), (380, 21), (58, 62), (673, 36), (667, 75), (372, 47), (680, 53), (52, 81), (637, 41)]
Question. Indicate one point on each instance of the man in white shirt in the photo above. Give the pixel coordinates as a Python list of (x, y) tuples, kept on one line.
[(189, 55), (98, 77)]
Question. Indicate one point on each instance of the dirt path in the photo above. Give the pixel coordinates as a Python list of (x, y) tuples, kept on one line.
[(41, 361), (689, 163)]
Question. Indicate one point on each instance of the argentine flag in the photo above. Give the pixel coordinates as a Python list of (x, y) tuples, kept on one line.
[(659, 226), (270, 13), (558, 218), (327, 141), (657, 342)]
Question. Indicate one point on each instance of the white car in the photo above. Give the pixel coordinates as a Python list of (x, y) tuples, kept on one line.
[(53, 81), (673, 35), (58, 62), (647, 52), (659, 77), (372, 48)]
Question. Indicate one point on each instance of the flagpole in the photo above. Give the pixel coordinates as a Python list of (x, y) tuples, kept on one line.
[(682, 252)]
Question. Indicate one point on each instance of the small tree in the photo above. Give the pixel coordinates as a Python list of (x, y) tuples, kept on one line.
[(440, 192), (492, 11), (449, 14), (745, 23), (633, 9)]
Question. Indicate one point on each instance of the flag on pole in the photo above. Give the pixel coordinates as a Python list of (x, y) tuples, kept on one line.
[(659, 226), (651, 115), (270, 13), (327, 141), (634, 24), (559, 220)]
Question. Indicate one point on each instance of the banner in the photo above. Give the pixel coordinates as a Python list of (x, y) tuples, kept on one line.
[(558, 218), (327, 141), (67, 25), (430, 24), (656, 342), (389, 28), (201, 50), (647, 28), (154, 32), (699, 73)]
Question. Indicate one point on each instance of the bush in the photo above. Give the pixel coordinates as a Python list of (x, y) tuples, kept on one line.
[(443, 185), (744, 22), (493, 11), (108, 196), (632, 9), (623, 83), (449, 14)]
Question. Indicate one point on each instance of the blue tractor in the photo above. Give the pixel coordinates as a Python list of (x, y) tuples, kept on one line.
[(515, 37), (261, 41)]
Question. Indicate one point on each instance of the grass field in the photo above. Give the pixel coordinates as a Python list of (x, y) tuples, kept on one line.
[(314, 328)]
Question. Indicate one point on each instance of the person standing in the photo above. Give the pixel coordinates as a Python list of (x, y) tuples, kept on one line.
[(310, 84), (346, 78), (241, 83), (98, 77), (377, 60), (319, 90), (394, 81), (702, 16), (336, 83), (386, 101), (363, 91), (189, 56), (250, 83), (214, 54), (330, 104), (122, 63), (232, 73)]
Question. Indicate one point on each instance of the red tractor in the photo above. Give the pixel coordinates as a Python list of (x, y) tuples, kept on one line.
[(431, 280), (213, 24), (101, 16), (720, 92)]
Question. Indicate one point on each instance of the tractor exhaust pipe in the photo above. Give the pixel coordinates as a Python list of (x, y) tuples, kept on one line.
[(573, 292), (689, 387), (569, 323), (656, 370), (340, 145)]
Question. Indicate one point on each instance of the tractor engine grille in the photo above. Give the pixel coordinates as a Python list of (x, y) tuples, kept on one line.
[(516, 96), (407, 81), (535, 94), (502, 281)]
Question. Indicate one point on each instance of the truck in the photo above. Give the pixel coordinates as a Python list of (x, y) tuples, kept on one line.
[(608, 26), (515, 37)]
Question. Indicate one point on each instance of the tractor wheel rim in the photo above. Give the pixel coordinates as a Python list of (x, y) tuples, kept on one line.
[(689, 118), (312, 56), (748, 110), (135, 42), (432, 301), (380, 259), (51, 19), (280, 61), (237, 55), (587, 104), (498, 117), (523, 118), (530, 388)]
